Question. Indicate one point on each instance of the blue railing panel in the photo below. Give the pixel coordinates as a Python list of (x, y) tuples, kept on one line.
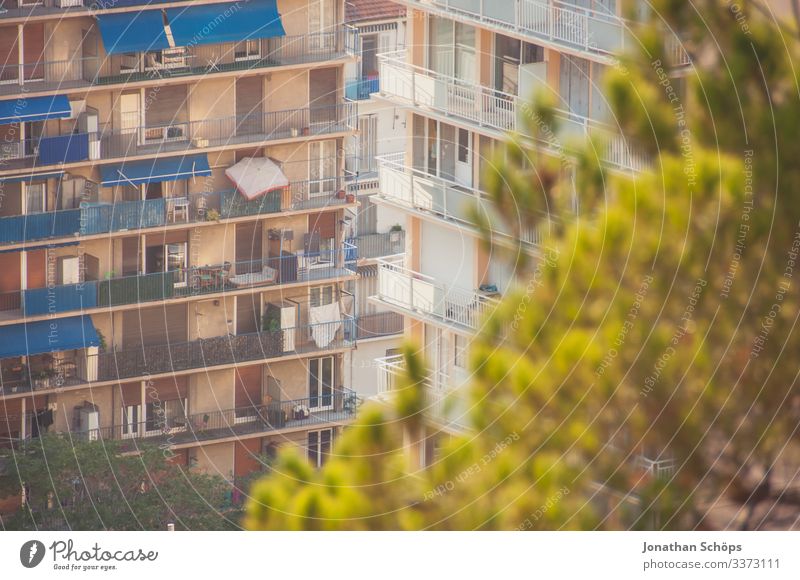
[(59, 299), (64, 149), (39, 226)]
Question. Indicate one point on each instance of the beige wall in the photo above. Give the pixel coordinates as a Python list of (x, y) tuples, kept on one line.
[(216, 459), (287, 90), (63, 38), (67, 401), (211, 391), (207, 319), (212, 98), (213, 245)]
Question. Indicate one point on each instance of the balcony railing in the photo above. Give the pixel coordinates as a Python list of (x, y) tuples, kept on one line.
[(564, 25), (361, 88), (421, 295), (27, 8), (488, 109), (338, 407), (445, 402), (199, 60), (201, 354), (372, 246), (193, 281), (379, 324), (111, 144), (101, 218), (449, 200)]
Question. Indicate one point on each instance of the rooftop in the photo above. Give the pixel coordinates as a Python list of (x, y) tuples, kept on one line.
[(366, 10)]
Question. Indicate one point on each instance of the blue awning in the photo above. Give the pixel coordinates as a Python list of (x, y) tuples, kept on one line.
[(154, 170), (52, 335), (34, 109), (213, 23), (31, 178), (133, 31)]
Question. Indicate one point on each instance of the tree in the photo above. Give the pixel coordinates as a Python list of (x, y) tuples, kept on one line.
[(657, 324), (90, 485)]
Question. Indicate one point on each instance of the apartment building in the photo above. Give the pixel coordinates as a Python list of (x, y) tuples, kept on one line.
[(174, 260), (379, 230), (467, 72)]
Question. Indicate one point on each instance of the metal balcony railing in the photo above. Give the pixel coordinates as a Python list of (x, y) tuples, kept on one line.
[(200, 60), (590, 33), (371, 246), (118, 144), (489, 109), (421, 295), (101, 217), (337, 407), (445, 404), (448, 200), (379, 324), (361, 88), (118, 364), (193, 281)]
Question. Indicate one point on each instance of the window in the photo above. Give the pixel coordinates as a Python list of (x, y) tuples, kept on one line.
[(164, 415), (368, 143), (459, 351), (452, 49), (322, 167), (320, 383), (130, 420), (510, 53), (319, 446), (247, 50), (369, 51), (72, 191), (35, 197), (463, 146), (321, 21), (177, 261), (321, 296)]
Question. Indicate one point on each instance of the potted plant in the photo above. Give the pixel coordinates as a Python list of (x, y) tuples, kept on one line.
[(351, 197), (394, 233), (101, 341), (212, 215), (340, 194)]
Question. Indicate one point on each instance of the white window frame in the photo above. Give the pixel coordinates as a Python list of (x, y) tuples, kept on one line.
[(315, 451), (322, 395)]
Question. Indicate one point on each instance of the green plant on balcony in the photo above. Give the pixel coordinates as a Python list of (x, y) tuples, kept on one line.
[(101, 340), (212, 215), (271, 321)]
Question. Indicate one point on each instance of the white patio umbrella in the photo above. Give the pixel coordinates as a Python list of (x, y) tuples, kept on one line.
[(255, 176)]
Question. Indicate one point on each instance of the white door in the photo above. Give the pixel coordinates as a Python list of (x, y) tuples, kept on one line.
[(322, 167), (464, 157), (130, 117), (320, 383)]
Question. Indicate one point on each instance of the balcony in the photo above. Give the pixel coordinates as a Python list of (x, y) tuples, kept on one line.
[(561, 25), (489, 111), (38, 8), (362, 88), (195, 61), (446, 403), (447, 200), (423, 297), (191, 282), (199, 354), (373, 246), (379, 325), (126, 216), (339, 407), (182, 137)]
